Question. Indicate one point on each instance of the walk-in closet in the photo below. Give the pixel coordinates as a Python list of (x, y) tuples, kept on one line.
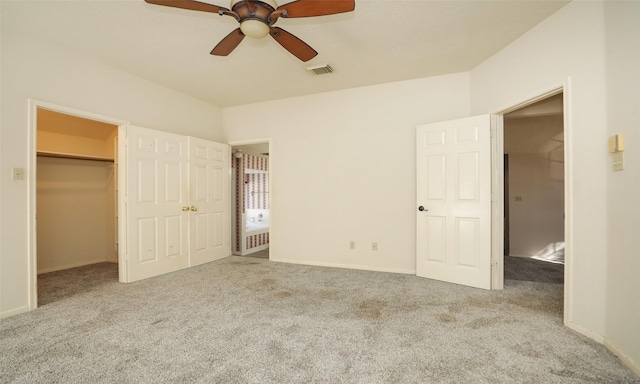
[(76, 194)]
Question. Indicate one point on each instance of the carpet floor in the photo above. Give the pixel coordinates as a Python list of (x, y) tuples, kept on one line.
[(249, 320), (529, 269)]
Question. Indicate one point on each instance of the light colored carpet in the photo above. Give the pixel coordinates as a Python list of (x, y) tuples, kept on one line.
[(529, 269), (248, 320)]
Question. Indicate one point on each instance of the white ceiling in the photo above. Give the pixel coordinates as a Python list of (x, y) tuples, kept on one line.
[(381, 41)]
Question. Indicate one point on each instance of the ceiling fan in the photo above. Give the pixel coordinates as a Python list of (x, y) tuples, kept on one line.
[(257, 17)]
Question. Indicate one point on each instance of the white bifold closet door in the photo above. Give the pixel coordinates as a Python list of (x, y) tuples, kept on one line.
[(209, 198), (175, 201)]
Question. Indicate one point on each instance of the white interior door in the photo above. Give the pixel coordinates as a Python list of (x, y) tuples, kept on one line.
[(156, 193), (454, 201), (209, 194)]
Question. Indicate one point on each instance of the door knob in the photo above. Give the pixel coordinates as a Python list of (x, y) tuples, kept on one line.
[(422, 209), (194, 208), (185, 209)]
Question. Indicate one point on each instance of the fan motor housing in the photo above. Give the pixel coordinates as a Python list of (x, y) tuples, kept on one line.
[(253, 16)]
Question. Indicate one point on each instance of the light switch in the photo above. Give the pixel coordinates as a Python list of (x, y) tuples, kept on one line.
[(618, 161)]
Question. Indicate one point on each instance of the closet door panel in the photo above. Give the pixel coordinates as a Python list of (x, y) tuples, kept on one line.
[(209, 194), (219, 233), (156, 193), (147, 242)]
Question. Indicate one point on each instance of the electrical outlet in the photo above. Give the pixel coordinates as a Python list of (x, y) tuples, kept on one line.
[(352, 244), (18, 174), (374, 246)]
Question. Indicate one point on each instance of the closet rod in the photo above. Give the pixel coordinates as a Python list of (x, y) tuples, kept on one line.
[(72, 156)]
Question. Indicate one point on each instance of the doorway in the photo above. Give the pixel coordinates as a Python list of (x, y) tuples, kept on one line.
[(76, 203), (534, 184), (72, 189), (251, 199)]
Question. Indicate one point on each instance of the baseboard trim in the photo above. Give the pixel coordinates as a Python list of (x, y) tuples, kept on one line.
[(344, 266), (626, 360), (584, 331), (14, 312), (74, 265)]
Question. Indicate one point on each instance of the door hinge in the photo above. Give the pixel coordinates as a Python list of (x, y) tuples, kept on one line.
[(492, 131)]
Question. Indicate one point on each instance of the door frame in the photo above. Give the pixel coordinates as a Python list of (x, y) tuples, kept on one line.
[(32, 133), (236, 143), (505, 163), (497, 148)]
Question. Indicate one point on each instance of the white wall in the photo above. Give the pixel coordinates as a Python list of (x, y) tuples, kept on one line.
[(571, 44), (536, 219), (34, 69), (342, 168), (622, 38)]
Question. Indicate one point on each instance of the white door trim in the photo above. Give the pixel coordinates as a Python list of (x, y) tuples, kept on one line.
[(497, 201), (32, 124), (497, 280)]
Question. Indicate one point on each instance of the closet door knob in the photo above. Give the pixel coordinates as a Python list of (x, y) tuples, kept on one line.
[(185, 209), (194, 208)]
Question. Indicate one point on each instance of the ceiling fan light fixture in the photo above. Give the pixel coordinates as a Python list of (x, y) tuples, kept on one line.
[(254, 28), (254, 16), (258, 17)]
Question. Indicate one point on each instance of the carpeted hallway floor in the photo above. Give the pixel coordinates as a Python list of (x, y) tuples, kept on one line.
[(528, 269), (248, 320)]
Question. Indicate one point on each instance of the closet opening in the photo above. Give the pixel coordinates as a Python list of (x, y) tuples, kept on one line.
[(76, 204)]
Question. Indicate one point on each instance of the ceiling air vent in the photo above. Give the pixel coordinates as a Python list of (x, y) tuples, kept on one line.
[(320, 69)]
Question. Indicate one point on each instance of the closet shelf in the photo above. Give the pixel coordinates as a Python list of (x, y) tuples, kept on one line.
[(74, 156)]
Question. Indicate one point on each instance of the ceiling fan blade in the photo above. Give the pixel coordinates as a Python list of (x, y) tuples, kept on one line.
[(308, 8), (189, 4), (228, 44), (297, 47)]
